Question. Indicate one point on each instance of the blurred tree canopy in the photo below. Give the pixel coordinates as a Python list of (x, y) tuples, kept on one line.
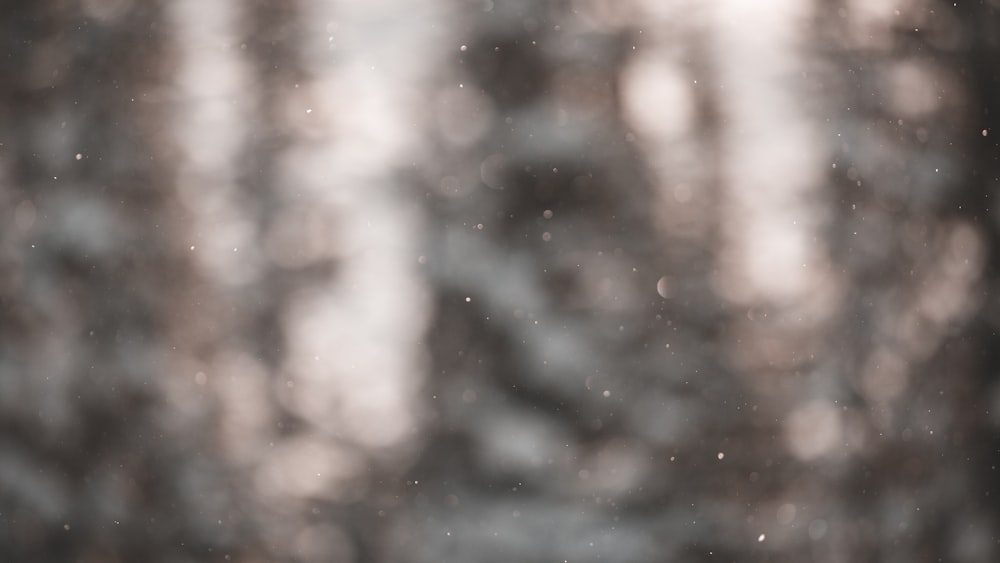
[(499, 280)]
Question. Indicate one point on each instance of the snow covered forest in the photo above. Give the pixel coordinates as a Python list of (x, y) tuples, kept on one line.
[(553, 281)]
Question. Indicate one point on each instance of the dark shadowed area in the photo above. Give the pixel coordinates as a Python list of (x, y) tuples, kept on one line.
[(553, 281)]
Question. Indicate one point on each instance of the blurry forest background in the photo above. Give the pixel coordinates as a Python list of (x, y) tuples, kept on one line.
[(499, 280)]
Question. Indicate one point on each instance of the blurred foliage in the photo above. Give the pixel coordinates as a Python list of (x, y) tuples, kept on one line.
[(499, 280)]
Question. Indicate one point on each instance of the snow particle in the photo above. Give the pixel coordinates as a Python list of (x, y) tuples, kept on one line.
[(721, 455), (786, 513), (663, 287), (761, 538), (817, 529)]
